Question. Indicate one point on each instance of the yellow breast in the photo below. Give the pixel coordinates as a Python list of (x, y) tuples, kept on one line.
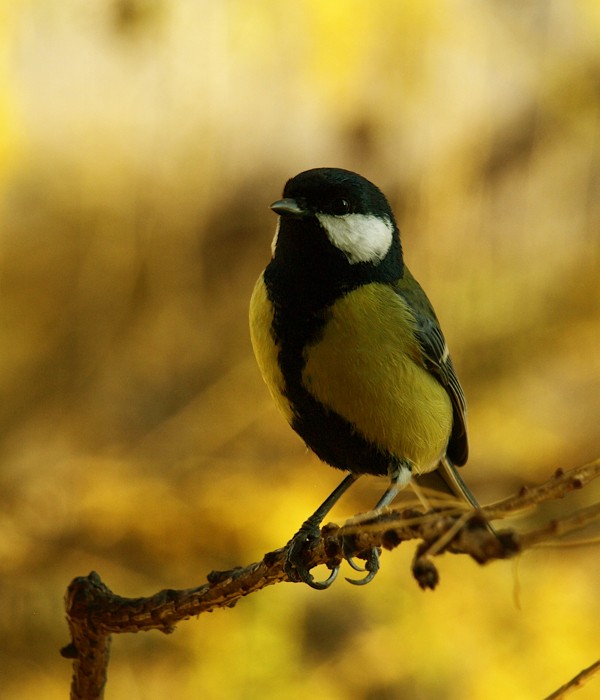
[(366, 368)]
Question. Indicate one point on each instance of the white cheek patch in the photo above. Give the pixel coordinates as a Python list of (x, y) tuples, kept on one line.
[(361, 237)]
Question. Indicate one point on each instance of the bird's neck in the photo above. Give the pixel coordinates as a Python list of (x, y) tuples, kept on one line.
[(307, 274)]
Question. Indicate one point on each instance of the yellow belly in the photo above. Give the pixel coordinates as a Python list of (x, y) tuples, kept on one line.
[(367, 370)]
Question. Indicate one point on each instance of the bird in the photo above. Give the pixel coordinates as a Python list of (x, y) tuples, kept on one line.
[(352, 352)]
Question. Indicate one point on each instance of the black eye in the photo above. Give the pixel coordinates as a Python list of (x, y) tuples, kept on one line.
[(339, 207)]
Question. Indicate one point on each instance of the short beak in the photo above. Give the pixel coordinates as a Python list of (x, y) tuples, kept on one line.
[(287, 207)]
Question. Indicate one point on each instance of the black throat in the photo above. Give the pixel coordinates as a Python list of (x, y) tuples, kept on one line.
[(307, 273), (303, 280)]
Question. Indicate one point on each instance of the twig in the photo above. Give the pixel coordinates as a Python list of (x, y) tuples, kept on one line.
[(575, 682), (94, 612)]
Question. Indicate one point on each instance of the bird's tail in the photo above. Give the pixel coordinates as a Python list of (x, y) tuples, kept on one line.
[(447, 480)]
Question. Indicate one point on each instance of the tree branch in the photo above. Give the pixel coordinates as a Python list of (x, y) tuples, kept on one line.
[(576, 682), (94, 612)]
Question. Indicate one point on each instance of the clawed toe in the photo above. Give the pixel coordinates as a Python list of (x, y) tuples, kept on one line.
[(305, 576), (295, 565), (371, 566), (299, 547), (354, 565)]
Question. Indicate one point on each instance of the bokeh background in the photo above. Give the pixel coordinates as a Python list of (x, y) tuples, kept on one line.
[(141, 142)]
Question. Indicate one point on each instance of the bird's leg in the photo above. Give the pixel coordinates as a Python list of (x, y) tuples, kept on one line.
[(310, 531), (400, 475)]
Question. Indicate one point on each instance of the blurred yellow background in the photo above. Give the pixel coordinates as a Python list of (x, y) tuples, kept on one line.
[(141, 142)]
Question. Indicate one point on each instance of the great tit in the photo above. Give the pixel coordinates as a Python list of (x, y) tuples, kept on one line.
[(351, 349)]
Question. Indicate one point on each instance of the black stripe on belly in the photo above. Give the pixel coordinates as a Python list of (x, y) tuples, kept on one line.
[(333, 439), (330, 436)]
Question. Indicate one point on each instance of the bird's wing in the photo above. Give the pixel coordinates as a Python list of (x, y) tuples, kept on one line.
[(436, 359)]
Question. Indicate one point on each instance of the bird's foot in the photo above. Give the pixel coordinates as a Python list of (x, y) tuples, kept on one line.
[(295, 565)]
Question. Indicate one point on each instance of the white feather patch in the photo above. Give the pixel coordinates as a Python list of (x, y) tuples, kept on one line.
[(361, 237)]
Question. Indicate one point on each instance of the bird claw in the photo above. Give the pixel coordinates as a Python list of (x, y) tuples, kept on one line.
[(354, 565), (294, 566), (371, 565), (308, 578)]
